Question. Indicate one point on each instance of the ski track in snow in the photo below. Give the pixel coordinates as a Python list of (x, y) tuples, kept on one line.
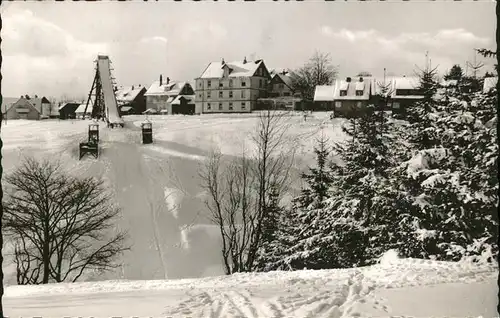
[(303, 298)]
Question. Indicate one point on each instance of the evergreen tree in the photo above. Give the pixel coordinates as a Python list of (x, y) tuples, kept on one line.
[(452, 182), (455, 73)]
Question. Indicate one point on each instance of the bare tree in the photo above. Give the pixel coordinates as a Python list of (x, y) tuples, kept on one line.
[(239, 190), (319, 70), (59, 224)]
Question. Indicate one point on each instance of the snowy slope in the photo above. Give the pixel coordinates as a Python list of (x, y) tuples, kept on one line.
[(394, 288), (156, 186)]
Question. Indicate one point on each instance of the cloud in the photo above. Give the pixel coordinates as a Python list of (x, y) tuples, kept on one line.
[(24, 33), (446, 47), (160, 39), (53, 61)]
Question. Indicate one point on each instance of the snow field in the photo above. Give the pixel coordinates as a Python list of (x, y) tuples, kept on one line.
[(384, 290)]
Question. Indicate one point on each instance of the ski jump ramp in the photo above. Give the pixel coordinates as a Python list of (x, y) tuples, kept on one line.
[(111, 106)]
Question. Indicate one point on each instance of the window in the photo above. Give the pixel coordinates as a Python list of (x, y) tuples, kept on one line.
[(209, 94), (208, 106), (199, 84), (230, 83), (230, 106), (260, 83), (220, 106), (243, 106), (343, 93), (209, 84), (230, 94), (281, 86), (242, 94), (220, 94), (286, 93), (201, 96), (243, 83), (221, 84), (338, 104), (359, 92)]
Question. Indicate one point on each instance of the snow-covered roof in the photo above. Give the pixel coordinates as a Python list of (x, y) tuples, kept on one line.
[(68, 104), (188, 98), (406, 82), (324, 93), (489, 84), (7, 102), (173, 88), (237, 69), (128, 93), (81, 108), (356, 84), (285, 78)]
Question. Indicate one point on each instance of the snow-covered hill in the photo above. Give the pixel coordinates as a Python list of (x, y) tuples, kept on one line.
[(393, 288)]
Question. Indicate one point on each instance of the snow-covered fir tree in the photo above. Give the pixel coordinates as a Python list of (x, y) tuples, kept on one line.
[(451, 176)]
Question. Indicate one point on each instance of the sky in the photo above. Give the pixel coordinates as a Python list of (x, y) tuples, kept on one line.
[(49, 48)]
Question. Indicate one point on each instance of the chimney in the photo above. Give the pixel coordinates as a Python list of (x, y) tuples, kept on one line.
[(223, 61), (245, 60), (348, 80), (36, 96), (132, 87), (361, 79), (161, 80), (168, 80)]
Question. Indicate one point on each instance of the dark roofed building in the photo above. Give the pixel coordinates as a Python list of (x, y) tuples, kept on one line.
[(131, 99), (68, 110)]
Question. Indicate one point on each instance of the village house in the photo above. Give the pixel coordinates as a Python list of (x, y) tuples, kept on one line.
[(345, 97), (232, 86), (27, 108), (80, 111), (68, 110), (405, 91), (170, 97), (281, 92), (131, 99)]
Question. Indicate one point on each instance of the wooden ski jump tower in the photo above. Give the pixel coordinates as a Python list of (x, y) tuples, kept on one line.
[(103, 90)]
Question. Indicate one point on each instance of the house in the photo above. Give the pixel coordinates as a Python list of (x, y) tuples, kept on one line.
[(131, 99), (489, 84), (161, 95), (281, 92), (324, 97), (68, 110), (24, 108), (7, 102), (404, 92), (232, 86), (345, 97), (81, 110)]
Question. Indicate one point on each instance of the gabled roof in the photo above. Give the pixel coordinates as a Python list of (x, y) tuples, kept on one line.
[(394, 83), (7, 102), (188, 98), (173, 88), (489, 84), (73, 106), (324, 93), (128, 94), (356, 84), (237, 69), (81, 108), (283, 78)]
